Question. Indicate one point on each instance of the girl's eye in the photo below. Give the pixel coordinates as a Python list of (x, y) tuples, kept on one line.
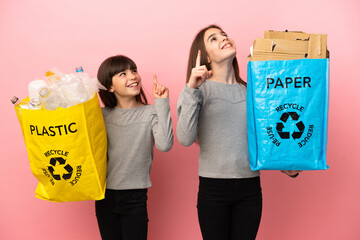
[(213, 39), (134, 70), (122, 74)]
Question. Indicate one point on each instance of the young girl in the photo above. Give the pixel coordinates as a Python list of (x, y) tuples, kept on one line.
[(132, 127), (212, 111)]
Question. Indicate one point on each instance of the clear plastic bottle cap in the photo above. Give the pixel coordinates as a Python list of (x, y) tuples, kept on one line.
[(79, 69), (44, 92), (35, 103)]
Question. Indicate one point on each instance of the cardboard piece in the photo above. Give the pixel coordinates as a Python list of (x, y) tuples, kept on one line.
[(262, 45), (287, 45), (317, 46), (293, 35)]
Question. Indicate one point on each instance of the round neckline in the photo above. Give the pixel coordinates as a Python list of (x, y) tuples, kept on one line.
[(129, 109), (221, 83)]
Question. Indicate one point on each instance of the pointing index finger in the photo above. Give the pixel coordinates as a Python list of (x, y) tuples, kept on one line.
[(197, 64)]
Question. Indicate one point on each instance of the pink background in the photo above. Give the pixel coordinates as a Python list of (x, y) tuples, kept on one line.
[(36, 35)]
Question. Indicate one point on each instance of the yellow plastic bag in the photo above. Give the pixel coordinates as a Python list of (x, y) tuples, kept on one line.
[(67, 151)]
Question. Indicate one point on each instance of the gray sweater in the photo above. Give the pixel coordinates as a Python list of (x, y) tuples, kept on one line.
[(131, 135), (215, 116)]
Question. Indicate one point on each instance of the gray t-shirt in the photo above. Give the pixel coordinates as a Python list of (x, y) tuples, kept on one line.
[(131, 135), (215, 116)]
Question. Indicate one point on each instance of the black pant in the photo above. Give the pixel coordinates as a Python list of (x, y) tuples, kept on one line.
[(229, 209), (122, 215)]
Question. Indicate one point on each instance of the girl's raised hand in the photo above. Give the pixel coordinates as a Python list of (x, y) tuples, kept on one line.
[(198, 74), (159, 90)]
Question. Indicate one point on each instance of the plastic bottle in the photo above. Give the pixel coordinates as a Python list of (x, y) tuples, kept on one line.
[(49, 98), (34, 104), (34, 87), (89, 84), (70, 87), (16, 101), (54, 76)]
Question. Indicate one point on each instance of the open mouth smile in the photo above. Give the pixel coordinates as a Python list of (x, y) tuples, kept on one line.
[(134, 84), (227, 45)]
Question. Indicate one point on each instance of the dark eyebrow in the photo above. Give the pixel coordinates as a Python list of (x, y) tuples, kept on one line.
[(124, 70), (210, 36), (222, 33)]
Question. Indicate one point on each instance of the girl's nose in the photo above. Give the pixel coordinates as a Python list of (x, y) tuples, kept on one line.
[(131, 76), (225, 38)]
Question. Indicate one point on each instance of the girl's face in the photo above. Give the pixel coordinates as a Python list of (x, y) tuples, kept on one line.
[(126, 83), (218, 46)]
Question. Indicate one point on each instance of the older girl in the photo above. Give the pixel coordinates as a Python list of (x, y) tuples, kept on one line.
[(212, 111)]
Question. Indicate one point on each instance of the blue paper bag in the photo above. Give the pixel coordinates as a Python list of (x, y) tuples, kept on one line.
[(287, 114)]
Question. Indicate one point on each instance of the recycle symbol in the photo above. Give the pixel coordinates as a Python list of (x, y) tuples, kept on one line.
[(60, 161), (280, 126)]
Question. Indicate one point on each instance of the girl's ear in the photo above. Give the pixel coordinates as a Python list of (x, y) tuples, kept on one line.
[(111, 89), (208, 59)]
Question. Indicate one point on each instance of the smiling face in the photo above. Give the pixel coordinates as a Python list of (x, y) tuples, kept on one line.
[(126, 83), (218, 46)]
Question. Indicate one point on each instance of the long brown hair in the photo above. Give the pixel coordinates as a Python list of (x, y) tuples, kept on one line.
[(109, 68), (199, 44)]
